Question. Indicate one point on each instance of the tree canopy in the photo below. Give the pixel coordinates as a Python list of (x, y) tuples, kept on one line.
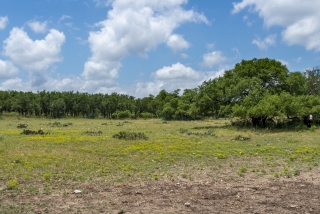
[(257, 90)]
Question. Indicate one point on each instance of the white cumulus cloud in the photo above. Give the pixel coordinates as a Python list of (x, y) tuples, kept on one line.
[(300, 19), (176, 71), (176, 76), (3, 22), (134, 27), (32, 55), (143, 89), (16, 83), (177, 42), (69, 83), (213, 58), (38, 27), (7, 70), (266, 42)]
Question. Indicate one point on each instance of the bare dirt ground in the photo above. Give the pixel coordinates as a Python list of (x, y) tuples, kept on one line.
[(298, 194)]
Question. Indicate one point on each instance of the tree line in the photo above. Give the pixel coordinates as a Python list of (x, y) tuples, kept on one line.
[(257, 90)]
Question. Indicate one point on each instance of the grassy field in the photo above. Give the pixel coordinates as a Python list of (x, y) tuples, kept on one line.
[(71, 151)]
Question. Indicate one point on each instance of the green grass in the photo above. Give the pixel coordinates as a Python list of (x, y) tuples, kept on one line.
[(85, 150)]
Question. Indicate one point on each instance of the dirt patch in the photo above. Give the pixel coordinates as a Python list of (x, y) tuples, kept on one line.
[(300, 194)]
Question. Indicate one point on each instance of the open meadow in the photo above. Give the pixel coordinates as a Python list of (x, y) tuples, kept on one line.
[(156, 166)]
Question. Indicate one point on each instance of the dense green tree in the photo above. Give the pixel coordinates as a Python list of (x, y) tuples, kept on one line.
[(58, 108), (45, 102), (212, 95), (313, 81), (295, 83), (254, 88)]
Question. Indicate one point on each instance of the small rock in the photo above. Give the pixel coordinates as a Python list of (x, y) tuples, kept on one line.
[(77, 191), (293, 206), (3, 188), (187, 204)]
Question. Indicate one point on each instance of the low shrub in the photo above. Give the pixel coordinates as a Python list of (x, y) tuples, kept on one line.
[(92, 133), (146, 115), (207, 133), (241, 138), (58, 124), (31, 132), (22, 126), (130, 135), (121, 114), (124, 114)]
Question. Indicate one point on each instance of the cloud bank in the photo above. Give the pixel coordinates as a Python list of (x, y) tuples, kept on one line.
[(300, 19), (134, 27)]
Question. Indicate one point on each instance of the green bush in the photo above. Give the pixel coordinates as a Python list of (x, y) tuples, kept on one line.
[(92, 133), (130, 135), (22, 126), (146, 115), (121, 114), (31, 132), (124, 114)]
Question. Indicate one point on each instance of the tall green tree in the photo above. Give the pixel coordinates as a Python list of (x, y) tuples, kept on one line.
[(313, 81), (252, 88)]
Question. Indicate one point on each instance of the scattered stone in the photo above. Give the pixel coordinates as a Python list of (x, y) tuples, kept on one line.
[(293, 206), (3, 188), (187, 204), (77, 191)]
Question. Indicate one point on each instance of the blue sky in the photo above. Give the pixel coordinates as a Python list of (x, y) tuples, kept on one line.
[(139, 47)]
